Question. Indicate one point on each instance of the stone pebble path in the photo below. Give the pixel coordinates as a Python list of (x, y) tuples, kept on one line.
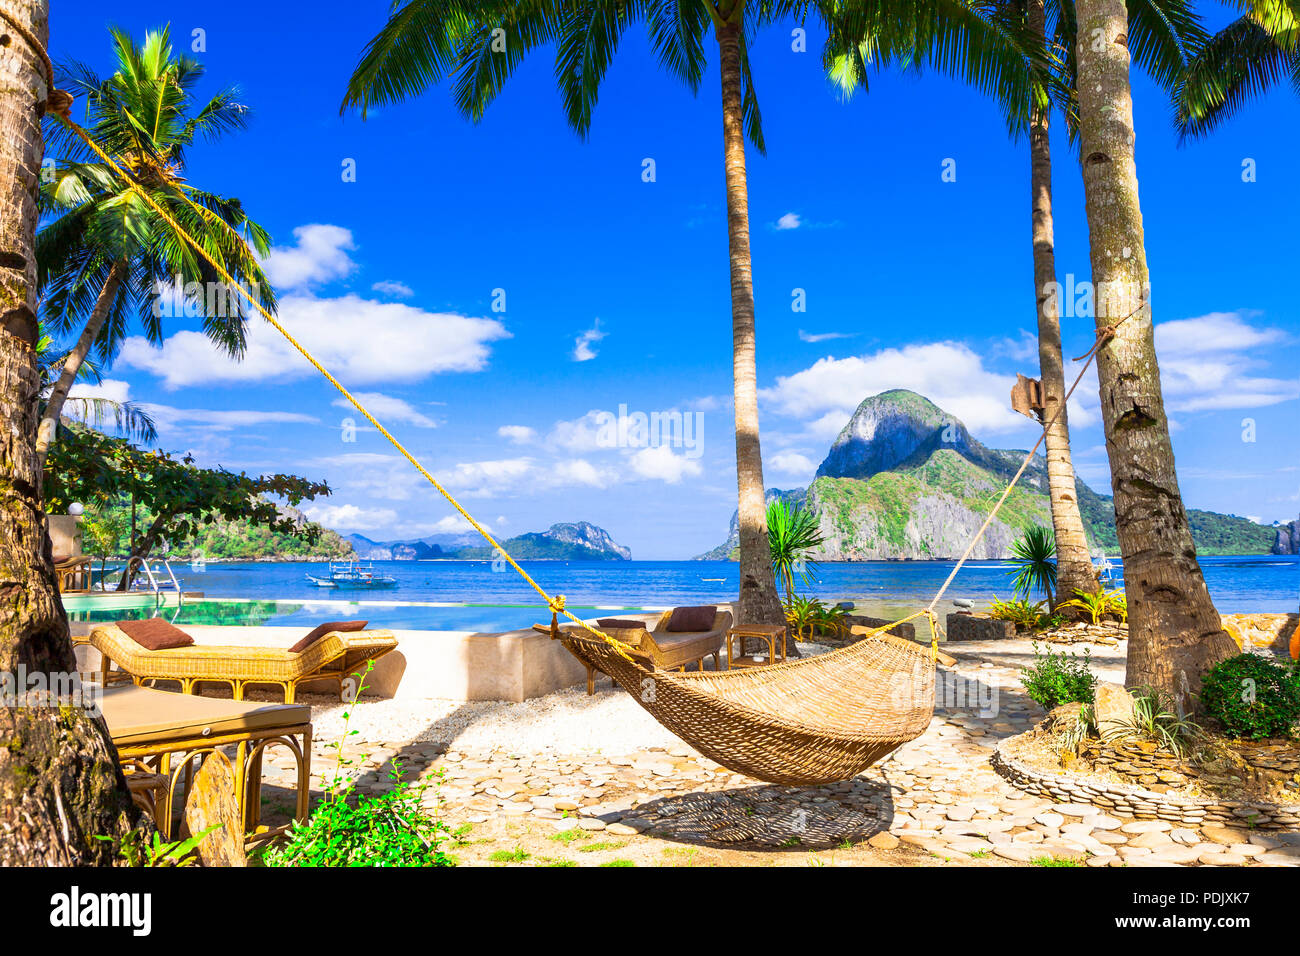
[(938, 795)]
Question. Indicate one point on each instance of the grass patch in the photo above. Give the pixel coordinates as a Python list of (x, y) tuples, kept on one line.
[(598, 847), (568, 836), (1054, 861), (619, 863), (517, 855)]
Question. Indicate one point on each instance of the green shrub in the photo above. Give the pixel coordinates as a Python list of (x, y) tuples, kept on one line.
[(1023, 614), (1252, 696), (347, 829), (352, 829), (1056, 679)]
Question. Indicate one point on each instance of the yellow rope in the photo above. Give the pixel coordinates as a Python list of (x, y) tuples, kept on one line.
[(556, 603)]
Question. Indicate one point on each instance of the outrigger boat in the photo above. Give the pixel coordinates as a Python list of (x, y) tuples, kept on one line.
[(353, 575)]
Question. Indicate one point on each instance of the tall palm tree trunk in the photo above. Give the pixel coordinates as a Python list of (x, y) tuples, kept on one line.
[(759, 602), (1175, 633), (60, 783), (1074, 570), (75, 359)]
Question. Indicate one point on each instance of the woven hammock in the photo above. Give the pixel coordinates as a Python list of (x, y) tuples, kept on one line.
[(802, 722)]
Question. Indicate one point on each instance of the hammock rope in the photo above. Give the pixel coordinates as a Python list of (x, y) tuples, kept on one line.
[(555, 603)]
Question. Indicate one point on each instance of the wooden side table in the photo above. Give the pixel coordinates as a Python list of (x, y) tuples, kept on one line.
[(773, 635)]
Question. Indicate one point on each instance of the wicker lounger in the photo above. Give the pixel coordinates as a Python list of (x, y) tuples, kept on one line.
[(336, 656), (664, 649), (159, 734)]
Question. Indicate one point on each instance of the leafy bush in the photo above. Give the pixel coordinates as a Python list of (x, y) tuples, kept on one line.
[(1252, 696), (808, 617), (1154, 719), (1099, 603), (351, 829), (1022, 614), (1033, 557), (1056, 679)]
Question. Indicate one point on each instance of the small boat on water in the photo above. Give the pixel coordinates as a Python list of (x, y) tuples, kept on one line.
[(353, 575)]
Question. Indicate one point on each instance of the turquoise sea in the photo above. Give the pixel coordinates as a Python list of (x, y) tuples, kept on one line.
[(470, 595)]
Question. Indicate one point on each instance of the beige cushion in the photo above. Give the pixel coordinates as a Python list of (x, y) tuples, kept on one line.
[(139, 715)]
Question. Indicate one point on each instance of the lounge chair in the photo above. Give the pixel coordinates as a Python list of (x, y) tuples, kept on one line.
[(664, 649), (158, 734), (73, 573), (335, 656)]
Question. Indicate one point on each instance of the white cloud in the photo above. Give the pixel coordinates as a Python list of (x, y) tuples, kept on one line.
[(359, 340), (582, 345), (1205, 365), (950, 374), (660, 464), (815, 337), (388, 409), (166, 417), (517, 434), (792, 463), (790, 220), (110, 389), (394, 288), (350, 517), (321, 255)]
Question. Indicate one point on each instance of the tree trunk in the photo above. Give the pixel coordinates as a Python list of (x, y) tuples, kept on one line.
[(74, 360), (1175, 633), (1074, 570), (60, 783), (759, 602)]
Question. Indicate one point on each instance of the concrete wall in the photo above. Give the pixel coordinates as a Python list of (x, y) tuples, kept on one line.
[(454, 665)]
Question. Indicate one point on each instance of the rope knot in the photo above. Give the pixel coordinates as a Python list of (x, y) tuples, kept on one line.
[(556, 604)]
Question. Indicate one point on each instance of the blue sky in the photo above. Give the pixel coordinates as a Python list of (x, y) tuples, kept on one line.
[(616, 289)]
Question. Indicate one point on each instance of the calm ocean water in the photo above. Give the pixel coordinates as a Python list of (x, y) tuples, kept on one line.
[(501, 600)]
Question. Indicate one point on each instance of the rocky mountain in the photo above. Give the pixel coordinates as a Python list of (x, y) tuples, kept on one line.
[(1288, 538), (906, 480), (577, 541)]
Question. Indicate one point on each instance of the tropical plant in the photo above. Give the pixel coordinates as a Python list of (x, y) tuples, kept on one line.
[(1056, 679), (1154, 719), (1252, 696), (103, 252), (1117, 604), (134, 849), (171, 499), (352, 829), (1096, 604), (131, 419), (1171, 600), (1022, 614), (792, 534), (1242, 62), (801, 614), (1033, 555)]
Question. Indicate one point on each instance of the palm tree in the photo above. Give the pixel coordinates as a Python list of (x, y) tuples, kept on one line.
[(482, 43), (131, 419), (103, 252), (1175, 633), (1161, 32), (1239, 63), (60, 782)]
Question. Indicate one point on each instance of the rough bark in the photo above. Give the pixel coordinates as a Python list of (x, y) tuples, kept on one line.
[(75, 359), (1175, 633), (759, 602), (60, 783), (1074, 570)]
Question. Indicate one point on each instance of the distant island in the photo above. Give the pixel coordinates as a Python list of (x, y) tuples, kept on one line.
[(576, 541), (905, 480)]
